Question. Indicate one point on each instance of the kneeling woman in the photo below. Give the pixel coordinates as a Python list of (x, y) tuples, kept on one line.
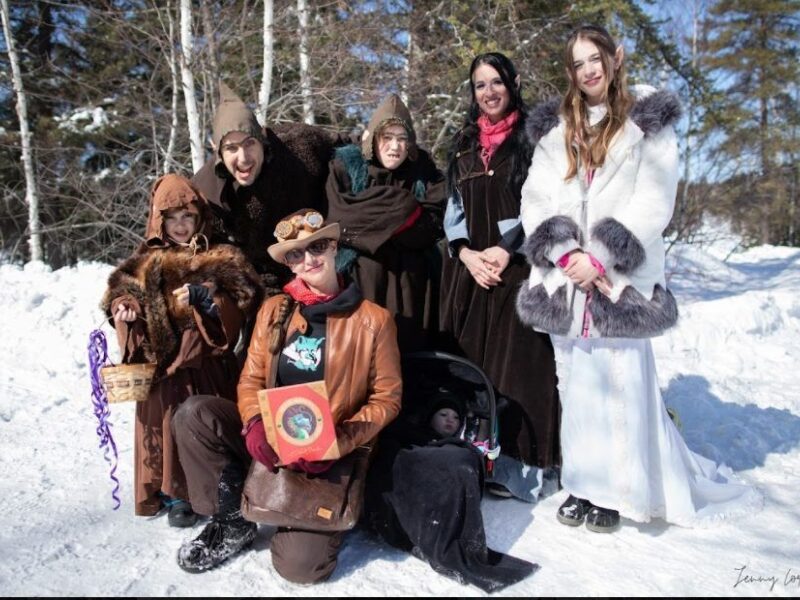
[(356, 354)]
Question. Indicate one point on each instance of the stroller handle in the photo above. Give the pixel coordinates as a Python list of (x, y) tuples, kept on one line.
[(437, 354)]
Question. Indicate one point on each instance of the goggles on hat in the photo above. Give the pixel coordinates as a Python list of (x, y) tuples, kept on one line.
[(289, 228)]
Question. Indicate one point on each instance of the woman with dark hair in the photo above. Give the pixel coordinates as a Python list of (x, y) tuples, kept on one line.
[(488, 164), (600, 192)]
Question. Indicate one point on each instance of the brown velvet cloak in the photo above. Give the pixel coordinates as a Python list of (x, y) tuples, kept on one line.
[(483, 325)]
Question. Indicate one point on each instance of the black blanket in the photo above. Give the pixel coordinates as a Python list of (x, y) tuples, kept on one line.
[(426, 500)]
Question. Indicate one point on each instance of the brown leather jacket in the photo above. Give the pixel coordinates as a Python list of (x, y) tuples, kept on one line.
[(362, 369)]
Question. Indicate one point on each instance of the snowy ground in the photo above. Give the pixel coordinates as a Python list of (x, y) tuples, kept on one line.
[(731, 369)]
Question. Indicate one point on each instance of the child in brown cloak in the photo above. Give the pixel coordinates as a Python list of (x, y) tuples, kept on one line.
[(180, 303)]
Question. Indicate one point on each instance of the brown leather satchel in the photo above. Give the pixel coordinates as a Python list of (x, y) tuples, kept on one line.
[(330, 501)]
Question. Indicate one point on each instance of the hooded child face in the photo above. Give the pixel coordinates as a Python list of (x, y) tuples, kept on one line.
[(445, 422), (180, 224), (390, 113), (177, 212), (446, 414)]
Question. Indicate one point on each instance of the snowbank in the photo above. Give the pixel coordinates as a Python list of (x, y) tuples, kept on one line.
[(730, 368)]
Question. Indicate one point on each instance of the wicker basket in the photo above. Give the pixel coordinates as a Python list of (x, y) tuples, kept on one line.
[(128, 383)]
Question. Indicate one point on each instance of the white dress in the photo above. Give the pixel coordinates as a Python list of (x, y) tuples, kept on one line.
[(620, 448)]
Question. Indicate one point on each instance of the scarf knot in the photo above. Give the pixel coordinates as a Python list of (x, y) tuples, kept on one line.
[(492, 135)]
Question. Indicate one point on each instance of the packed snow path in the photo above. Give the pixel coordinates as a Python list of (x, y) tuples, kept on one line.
[(730, 368)]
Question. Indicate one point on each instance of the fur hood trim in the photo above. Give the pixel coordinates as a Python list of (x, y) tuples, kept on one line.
[(651, 112)]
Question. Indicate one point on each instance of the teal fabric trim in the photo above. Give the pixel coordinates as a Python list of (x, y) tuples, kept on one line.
[(419, 190), (345, 258), (357, 170), (356, 166)]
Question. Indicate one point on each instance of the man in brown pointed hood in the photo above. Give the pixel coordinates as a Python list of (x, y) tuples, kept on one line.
[(259, 174)]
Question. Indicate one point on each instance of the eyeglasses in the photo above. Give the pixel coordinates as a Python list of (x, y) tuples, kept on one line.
[(289, 228), (315, 248)]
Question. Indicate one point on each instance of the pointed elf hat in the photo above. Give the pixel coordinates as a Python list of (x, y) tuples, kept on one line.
[(232, 115), (391, 111)]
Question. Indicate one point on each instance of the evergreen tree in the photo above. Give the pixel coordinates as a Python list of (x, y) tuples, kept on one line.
[(754, 54)]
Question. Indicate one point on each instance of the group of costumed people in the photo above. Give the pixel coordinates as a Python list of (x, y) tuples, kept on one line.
[(537, 257)]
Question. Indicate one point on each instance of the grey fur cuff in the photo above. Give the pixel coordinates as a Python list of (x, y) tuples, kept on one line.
[(551, 314), (633, 315), (551, 232), (626, 252)]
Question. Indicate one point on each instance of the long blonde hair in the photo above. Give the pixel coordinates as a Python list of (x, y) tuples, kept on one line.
[(589, 145)]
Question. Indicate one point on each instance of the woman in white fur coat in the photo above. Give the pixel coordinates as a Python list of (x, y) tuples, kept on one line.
[(599, 194)]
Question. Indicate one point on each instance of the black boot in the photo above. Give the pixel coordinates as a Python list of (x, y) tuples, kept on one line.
[(573, 511), (227, 534), (602, 520), (180, 513)]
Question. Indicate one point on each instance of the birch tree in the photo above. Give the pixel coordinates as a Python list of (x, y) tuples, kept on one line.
[(192, 115), (266, 78), (213, 58), (173, 69), (305, 77), (31, 194)]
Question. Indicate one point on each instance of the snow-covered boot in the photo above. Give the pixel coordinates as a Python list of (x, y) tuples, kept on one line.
[(227, 534)]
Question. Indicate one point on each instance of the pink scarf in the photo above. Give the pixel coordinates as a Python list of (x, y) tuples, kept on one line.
[(494, 134)]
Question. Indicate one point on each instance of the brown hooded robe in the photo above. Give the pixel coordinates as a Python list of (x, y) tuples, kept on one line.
[(193, 351), (397, 270)]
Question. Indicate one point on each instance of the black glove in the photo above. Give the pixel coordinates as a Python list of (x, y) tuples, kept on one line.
[(200, 298)]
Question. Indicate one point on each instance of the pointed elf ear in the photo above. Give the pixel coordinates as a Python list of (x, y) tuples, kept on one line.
[(618, 56), (517, 81)]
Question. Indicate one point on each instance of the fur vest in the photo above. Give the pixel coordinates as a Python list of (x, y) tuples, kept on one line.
[(150, 276), (619, 219)]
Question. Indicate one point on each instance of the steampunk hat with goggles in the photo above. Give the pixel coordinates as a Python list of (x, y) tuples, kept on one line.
[(298, 230)]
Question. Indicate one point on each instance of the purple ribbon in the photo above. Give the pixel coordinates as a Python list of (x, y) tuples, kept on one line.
[(98, 358)]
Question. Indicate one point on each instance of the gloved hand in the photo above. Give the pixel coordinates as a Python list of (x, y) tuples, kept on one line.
[(314, 467), (256, 441), (200, 298)]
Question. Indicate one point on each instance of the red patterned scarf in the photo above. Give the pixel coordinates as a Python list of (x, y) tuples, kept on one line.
[(298, 290), (494, 134)]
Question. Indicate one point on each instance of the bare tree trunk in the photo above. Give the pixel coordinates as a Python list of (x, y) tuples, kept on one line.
[(208, 27), (683, 200), (192, 116), (31, 193), (405, 83), (305, 78), (266, 78), (173, 69), (763, 126), (794, 177)]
